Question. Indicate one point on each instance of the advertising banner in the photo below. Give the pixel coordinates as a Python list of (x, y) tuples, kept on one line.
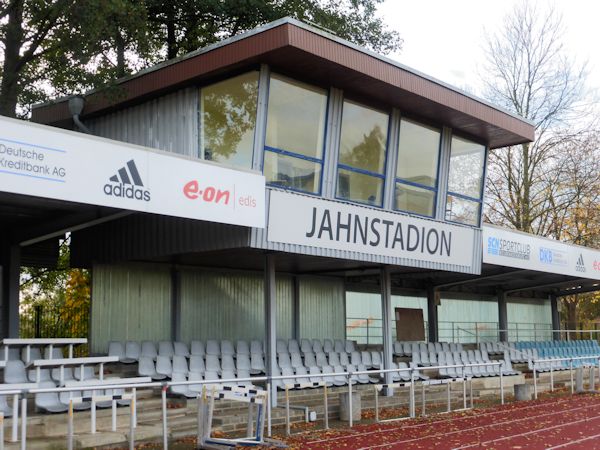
[(304, 220), (47, 162), (525, 251)]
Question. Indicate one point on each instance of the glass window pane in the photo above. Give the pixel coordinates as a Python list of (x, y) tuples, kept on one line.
[(296, 117), (466, 167), (414, 199), (418, 153), (364, 138), (290, 172), (463, 211), (228, 119), (358, 187)]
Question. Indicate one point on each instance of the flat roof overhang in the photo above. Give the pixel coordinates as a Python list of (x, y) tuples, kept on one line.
[(296, 49)]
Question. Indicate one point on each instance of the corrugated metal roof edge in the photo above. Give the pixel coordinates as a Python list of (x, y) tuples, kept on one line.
[(312, 29)]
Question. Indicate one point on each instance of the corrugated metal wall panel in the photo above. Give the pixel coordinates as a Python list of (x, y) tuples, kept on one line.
[(168, 123), (221, 305), (322, 309), (258, 239), (129, 303)]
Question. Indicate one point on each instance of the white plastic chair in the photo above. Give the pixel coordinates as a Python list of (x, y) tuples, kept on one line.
[(257, 363), (197, 348), (242, 348), (48, 401), (197, 364), (180, 365), (146, 368), (14, 372), (148, 350), (165, 348), (212, 364), (213, 347), (133, 352), (181, 349), (227, 348)]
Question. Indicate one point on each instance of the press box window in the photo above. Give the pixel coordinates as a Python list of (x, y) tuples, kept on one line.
[(465, 181), (417, 168), (361, 167), (295, 135), (228, 120)]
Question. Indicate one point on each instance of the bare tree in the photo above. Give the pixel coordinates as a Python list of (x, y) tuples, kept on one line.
[(529, 72)]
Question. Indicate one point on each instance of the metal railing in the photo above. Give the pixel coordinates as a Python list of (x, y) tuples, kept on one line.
[(368, 331), (267, 380), (537, 362)]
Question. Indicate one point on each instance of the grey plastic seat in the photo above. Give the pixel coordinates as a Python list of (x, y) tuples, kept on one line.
[(227, 363), (242, 362), (34, 353), (180, 365), (315, 371), (328, 346), (365, 359), (416, 358), (398, 348), (64, 398), (227, 348), (407, 349), (277, 383), (283, 359), (424, 357), (243, 373), (310, 359), (67, 375), (148, 350), (197, 364), (372, 378), (376, 360), (4, 408), (362, 379), (256, 347), (242, 348), (317, 346), (48, 401), (281, 346), (321, 359), (213, 347), (438, 347), (257, 363), (293, 346), (339, 346), (344, 361), (334, 359), (227, 374), (329, 379), (133, 351), (181, 349), (296, 360), (301, 371), (403, 371), (116, 348), (45, 375), (14, 372), (197, 348), (211, 375), (183, 389), (87, 374), (305, 346), (212, 364), (146, 368), (287, 372), (445, 347), (349, 346), (442, 361), (195, 376), (55, 354)]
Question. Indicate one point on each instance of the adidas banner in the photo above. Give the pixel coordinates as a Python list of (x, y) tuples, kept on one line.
[(48, 162), (524, 251)]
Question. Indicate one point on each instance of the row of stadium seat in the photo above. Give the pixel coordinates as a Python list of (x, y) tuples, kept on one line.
[(131, 351), (408, 348), (426, 359)]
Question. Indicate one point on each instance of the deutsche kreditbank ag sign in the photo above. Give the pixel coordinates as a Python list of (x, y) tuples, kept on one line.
[(47, 162)]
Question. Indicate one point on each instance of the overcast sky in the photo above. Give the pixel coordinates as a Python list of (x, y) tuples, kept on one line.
[(443, 38)]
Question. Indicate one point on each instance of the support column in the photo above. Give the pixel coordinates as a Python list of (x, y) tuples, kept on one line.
[(270, 322), (502, 317), (175, 305), (296, 310), (555, 317), (386, 320), (432, 313), (11, 271)]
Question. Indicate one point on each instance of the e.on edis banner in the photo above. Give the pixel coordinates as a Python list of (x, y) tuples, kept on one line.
[(47, 162)]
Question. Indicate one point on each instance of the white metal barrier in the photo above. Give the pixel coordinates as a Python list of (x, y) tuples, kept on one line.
[(537, 362)]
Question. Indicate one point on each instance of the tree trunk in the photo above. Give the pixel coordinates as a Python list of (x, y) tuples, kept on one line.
[(120, 49), (172, 49), (13, 40)]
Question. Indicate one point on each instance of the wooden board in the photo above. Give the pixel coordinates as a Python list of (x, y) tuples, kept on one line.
[(409, 324)]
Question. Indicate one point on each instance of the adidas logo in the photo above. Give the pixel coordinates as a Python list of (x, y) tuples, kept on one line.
[(127, 183), (580, 265)]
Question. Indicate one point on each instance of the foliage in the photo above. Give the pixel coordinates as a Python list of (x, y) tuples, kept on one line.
[(61, 47)]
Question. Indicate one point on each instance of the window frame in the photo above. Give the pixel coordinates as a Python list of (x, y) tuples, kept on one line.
[(466, 197), (400, 180), (283, 152), (201, 154), (381, 176)]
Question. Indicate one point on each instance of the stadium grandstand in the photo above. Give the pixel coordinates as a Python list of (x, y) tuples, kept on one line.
[(245, 211)]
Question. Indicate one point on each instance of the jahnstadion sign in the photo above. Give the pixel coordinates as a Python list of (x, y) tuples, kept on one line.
[(303, 220), (515, 249), (46, 162)]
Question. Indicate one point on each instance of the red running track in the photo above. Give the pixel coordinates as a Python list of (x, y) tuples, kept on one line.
[(565, 423)]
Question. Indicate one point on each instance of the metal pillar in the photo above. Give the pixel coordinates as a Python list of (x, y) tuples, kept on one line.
[(10, 260), (270, 323), (502, 317), (555, 316), (386, 316), (175, 304), (432, 313)]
